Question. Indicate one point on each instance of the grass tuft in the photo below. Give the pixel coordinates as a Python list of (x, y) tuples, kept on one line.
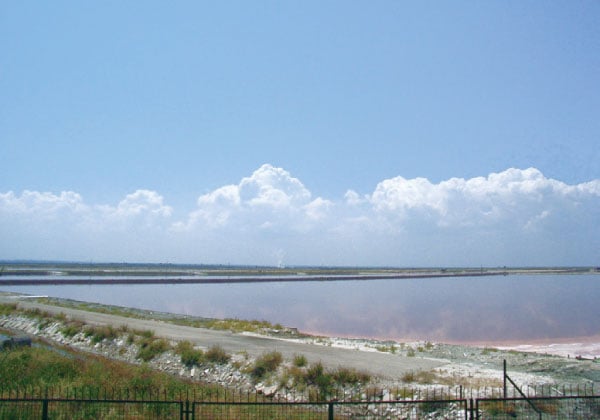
[(216, 354), (189, 355), (265, 364)]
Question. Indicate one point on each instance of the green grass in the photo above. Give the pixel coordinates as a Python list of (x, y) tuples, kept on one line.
[(39, 367)]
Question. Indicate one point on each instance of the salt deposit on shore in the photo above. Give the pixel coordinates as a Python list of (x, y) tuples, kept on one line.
[(589, 350)]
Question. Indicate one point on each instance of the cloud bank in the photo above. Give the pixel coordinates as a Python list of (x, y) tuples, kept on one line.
[(515, 217)]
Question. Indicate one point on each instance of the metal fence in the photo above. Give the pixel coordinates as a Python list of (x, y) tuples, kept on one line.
[(542, 408), (27, 406), (132, 405), (185, 410)]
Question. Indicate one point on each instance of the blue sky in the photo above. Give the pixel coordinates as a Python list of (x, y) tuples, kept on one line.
[(301, 132)]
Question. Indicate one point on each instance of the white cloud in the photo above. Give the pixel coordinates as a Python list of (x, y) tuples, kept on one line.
[(41, 203), (274, 187), (269, 198), (318, 208), (353, 198), (514, 217), (143, 201)]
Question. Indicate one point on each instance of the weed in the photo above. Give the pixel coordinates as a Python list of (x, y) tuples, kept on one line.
[(267, 363), (71, 329), (144, 333), (386, 349), (421, 377), (316, 375), (216, 354), (150, 348), (300, 360), (345, 376), (60, 317), (100, 333), (189, 355)]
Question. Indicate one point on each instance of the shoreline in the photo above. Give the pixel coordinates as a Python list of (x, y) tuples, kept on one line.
[(587, 347)]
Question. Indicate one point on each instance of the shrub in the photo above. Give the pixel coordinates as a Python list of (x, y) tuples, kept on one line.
[(316, 375), (71, 329), (144, 333), (421, 377), (267, 363), (60, 317), (300, 360), (216, 354), (408, 377), (99, 333), (189, 355), (150, 348), (350, 376)]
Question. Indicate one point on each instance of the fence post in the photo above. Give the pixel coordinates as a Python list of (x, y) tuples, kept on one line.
[(330, 414), (45, 409), (504, 376)]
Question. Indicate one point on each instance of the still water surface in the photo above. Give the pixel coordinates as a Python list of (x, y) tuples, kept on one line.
[(459, 309)]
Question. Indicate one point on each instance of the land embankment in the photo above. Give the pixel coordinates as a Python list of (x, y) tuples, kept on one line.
[(22, 274)]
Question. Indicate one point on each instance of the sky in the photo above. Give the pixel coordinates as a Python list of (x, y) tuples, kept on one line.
[(301, 133)]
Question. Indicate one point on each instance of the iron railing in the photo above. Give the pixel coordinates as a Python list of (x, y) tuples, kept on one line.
[(102, 404)]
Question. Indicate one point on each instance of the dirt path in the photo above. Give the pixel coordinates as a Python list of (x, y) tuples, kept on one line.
[(384, 365)]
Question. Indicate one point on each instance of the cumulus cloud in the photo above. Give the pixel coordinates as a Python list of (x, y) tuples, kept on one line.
[(513, 217), (143, 201), (268, 198), (40, 203), (516, 194)]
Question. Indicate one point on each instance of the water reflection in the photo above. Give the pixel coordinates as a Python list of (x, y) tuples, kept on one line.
[(440, 309)]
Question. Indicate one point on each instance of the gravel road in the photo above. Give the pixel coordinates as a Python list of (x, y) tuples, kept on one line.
[(384, 365)]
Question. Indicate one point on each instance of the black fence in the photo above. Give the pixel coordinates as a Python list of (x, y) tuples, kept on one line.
[(185, 410), (125, 404), (566, 407)]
